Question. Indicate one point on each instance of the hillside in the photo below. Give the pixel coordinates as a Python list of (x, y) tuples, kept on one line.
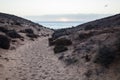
[(15, 30), (111, 21), (93, 48), (15, 33), (90, 51)]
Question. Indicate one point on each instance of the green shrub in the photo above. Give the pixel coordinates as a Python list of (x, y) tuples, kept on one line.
[(60, 48), (105, 56)]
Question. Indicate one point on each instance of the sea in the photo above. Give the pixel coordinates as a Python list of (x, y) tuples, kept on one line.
[(59, 24)]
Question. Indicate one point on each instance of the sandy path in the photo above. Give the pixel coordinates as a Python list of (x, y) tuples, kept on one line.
[(35, 61)]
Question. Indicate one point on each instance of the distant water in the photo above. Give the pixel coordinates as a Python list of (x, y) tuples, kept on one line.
[(58, 25)]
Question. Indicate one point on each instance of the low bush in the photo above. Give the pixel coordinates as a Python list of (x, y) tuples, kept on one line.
[(89, 27), (4, 42), (32, 35), (85, 35), (13, 34), (71, 60), (30, 31), (2, 29), (51, 41), (105, 56), (118, 42), (38, 29), (58, 33), (17, 23), (1, 21), (61, 57), (60, 48), (88, 73), (63, 41)]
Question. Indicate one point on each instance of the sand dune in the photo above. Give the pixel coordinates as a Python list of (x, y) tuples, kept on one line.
[(34, 61)]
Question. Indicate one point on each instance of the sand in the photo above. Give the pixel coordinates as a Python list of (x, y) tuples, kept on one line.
[(34, 60)]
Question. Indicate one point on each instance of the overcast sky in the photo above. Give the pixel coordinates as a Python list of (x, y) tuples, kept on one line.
[(67, 17), (59, 7)]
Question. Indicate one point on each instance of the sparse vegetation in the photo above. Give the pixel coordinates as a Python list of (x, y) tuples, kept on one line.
[(118, 42), (105, 56), (13, 34), (60, 48), (51, 41), (17, 23), (32, 35), (88, 73), (59, 33), (2, 29), (71, 60), (63, 41), (61, 57), (89, 27), (29, 31), (4, 42), (85, 35), (60, 44)]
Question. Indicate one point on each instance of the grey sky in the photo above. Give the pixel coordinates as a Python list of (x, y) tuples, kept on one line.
[(60, 10), (46, 7), (67, 17)]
